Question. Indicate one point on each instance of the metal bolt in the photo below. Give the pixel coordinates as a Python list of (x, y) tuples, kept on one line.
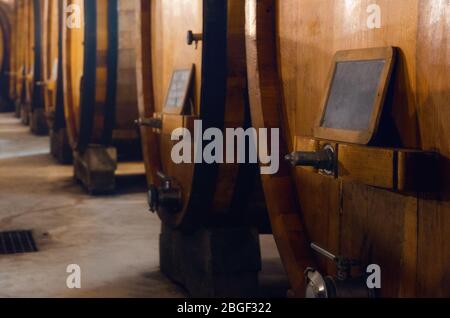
[(194, 38), (323, 159)]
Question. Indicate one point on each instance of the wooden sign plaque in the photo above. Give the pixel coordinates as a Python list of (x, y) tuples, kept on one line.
[(357, 88), (178, 94)]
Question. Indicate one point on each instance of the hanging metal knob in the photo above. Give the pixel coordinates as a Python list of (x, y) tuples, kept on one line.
[(194, 38)]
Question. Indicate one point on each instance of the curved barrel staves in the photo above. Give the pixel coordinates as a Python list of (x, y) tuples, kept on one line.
[(29, 64), (290, 47), (433, 97), (6, 59), (52, 83), (14, 57), (264, 90), (18, 73), (28, 37), (51, 31), (34, 69), (100, 106), (205, 40)]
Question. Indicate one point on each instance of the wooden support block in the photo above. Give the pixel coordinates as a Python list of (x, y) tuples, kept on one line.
[(212, 262), (5, 105), (400, 170), (25, 113), (95, 169), (370, 166), (38, 122), (60, 147), (17, 108)]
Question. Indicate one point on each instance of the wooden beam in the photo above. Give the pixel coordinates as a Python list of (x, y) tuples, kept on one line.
[(401, 170)]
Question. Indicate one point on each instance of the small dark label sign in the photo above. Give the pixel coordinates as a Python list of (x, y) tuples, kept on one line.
[(353, 94), (179, 88)]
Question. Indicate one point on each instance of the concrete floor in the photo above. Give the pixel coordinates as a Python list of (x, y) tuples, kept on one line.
[(114, 239)]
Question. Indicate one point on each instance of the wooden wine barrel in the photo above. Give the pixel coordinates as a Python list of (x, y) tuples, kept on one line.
[(13, 74), (19, 53), (5, 56), (53, 95), (25, 57), (28, 59), (51, 32), (290, 47), (29, 50), (14, 54), (2, 46), (33, 107), (100, 96), (206, 194)]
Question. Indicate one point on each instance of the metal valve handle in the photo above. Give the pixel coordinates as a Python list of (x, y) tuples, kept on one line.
[(323, 252), (167, 197), (324, 159), (344, 285), (343, 264)]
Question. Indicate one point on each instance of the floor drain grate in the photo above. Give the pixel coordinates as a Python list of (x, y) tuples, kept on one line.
[(17, 242)]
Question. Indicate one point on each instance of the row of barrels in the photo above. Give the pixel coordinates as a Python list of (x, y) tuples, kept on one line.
[(62, 79), (6, 35), (97, 66)]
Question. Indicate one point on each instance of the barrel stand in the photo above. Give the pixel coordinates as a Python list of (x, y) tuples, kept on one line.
[(17, 108), (95, 168), (25, 113), (38, 122), (5, 105), (219, 262), (60, 147)]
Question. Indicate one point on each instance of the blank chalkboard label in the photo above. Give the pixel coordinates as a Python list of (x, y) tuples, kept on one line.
[(353, 94), (179, 88)]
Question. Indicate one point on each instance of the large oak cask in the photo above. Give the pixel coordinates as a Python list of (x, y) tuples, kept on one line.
[(18, 74), (14, 54), (205, 41), (53, 94), (28, 41), (27, 61), (51, 34), (290, 48), (34, 78), (100, 99), (6, 20)]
